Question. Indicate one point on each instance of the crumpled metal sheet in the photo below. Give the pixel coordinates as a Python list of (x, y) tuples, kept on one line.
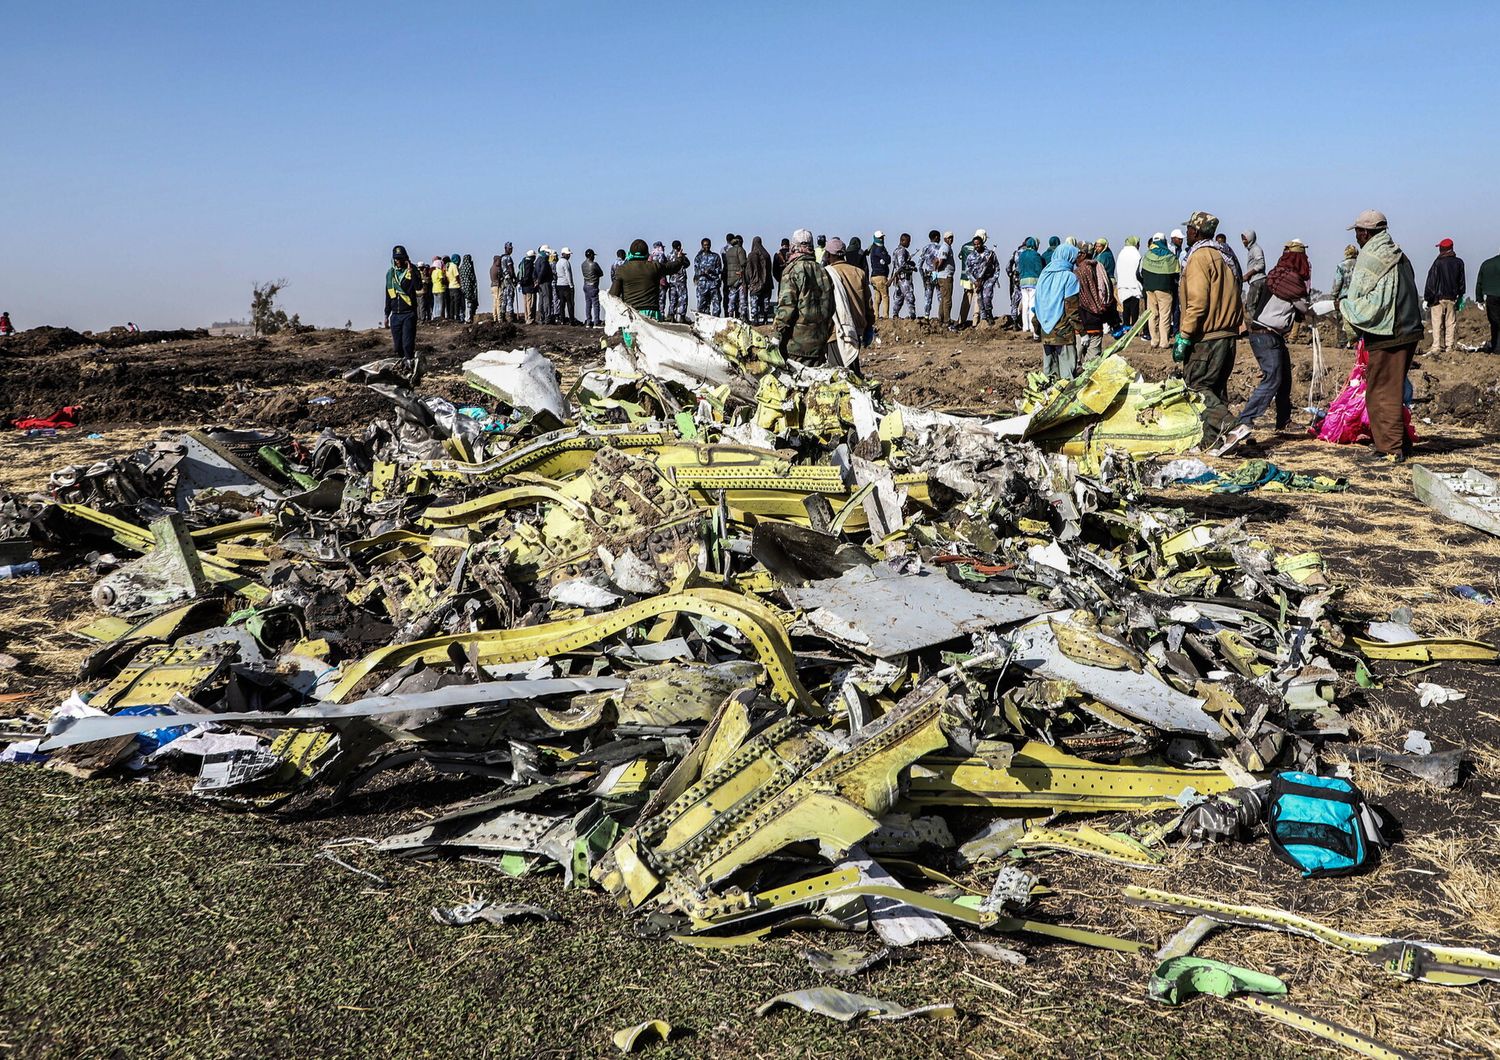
[(482, 909), (890, 613), (846, 1007), (1136, 694)]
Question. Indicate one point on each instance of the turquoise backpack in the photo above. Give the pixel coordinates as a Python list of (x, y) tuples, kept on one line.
[(1321, 825)]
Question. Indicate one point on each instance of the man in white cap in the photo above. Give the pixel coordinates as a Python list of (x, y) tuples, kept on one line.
[(804, 310), (880, 275), (1382, 307), (566, 313), (945, 284)]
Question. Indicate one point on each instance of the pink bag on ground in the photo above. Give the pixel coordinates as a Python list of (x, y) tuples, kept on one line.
[(1348, 420)]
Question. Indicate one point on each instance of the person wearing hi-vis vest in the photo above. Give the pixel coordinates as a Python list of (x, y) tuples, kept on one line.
[(401, 284)]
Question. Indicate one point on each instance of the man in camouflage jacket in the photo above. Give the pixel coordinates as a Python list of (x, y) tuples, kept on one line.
[(804, 313)]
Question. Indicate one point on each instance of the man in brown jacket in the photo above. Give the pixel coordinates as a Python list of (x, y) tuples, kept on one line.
[(1213, 318)]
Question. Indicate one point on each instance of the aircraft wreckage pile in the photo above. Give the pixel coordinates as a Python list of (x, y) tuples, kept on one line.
[(716, 632)]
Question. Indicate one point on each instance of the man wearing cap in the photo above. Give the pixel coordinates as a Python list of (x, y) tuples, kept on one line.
[(566, 311), (401, 282), (708, 271), (1381, 306), (984, 271), (1445, 286), (592, 272), (880, 275), (1487, 294), (945, 283), (804, 311), (1213, 317)]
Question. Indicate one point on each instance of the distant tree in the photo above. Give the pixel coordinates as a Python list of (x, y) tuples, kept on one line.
[(265, 318)]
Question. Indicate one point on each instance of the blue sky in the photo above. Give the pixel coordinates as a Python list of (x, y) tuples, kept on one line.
[(160, 158)]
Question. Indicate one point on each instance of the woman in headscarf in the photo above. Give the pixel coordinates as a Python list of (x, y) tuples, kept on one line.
[(439, 281), (468, 284), (854, 254), (1056, 313), (1104, 256), (1096, 304), (1029, 266), (1281, 303), (1128, 281), (758, 280), (1052, 245), (1159, 271)]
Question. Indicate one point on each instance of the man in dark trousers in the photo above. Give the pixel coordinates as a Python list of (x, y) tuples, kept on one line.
[(1487, 294), (401, 282)]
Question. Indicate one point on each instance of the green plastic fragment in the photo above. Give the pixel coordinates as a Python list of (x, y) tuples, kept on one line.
[(1184, 978)]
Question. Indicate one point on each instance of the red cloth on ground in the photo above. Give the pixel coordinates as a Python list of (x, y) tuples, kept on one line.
[(64, 418)]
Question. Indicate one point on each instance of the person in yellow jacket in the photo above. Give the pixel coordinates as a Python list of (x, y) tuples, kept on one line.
[(438, 279), (455, 289), (1213, 318)]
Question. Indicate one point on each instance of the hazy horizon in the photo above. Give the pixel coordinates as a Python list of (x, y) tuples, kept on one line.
[(165, 159)]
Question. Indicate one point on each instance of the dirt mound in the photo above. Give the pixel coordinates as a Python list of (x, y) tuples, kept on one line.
[(119, 338), (1475, 404), (40, 340)]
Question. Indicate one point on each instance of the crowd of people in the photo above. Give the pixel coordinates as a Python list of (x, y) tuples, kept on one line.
[(823, 298)]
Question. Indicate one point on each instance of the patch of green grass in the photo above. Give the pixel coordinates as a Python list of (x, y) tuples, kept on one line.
[(139, 923)]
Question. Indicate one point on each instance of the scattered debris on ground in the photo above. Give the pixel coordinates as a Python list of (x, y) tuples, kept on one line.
[(751, 647)]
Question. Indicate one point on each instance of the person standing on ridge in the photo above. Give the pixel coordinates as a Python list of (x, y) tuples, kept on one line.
[(1128, 281), (1055, 316), (591, 272), (1487, 294), (758, 281), (903, 268), (438, 279), (468, 284), (401, 303), (880, 275), (708, 273), (1255, 269), (637, 281), (1029, 266), (804, 310), (1342, 334), (674, 286), (567, 311), (455, 286), (736, 291), (984, 271), (1445, 287), (1160, 270)]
